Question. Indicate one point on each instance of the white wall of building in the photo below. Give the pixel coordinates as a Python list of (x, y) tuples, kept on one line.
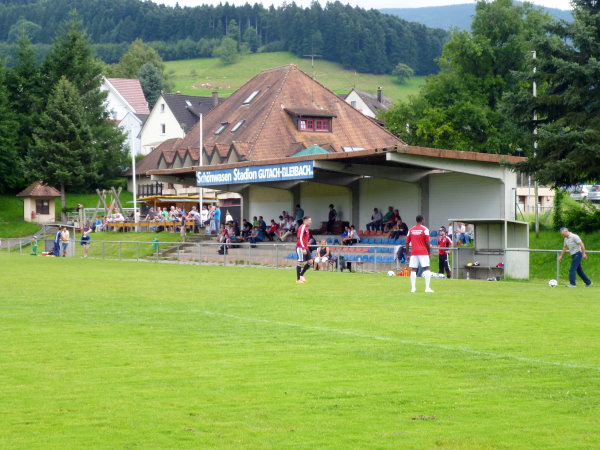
[(152, 134), (315, 199), (267, 202), (354, 100), (455, 195), (131, 126), (380, 193), (116, 106)]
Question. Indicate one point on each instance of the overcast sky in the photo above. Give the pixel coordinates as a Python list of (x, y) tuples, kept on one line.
[(377, 4)]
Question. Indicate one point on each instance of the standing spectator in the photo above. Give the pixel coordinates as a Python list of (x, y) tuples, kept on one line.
[(204, 218), (85, 242), (195, 216), (576, 248), (64, 240), (217, 218), (211, 217), (182, 224), (376, 221), (56, 249), (331, 218), (228, 217), (302, 250), (444, 242), (299, 217), (417, 241)]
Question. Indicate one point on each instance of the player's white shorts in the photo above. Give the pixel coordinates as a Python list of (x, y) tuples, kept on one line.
[(418, 260), (302, 257)]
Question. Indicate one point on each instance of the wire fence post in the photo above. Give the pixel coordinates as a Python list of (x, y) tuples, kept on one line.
[(103, 249), (120, 250), (557, 268), (137, 251)]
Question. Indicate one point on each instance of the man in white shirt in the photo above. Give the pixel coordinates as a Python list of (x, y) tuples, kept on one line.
[(576, 248)]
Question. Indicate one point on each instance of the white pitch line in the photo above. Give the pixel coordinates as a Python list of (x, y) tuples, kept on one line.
[(330, 330), (404, 341)]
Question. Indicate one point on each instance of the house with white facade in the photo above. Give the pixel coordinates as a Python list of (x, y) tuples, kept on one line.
[(367, 103), (127, 106), (173, 116)]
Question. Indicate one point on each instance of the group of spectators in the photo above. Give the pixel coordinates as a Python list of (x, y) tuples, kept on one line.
[(386, 222)]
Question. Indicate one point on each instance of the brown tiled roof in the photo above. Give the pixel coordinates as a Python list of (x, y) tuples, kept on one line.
[(39, 189), (270, 130), (131, 90), (151, 160)]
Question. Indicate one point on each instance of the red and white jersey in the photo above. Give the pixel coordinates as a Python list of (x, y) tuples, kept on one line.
[(443, 243), (418, 238), (302, 237)]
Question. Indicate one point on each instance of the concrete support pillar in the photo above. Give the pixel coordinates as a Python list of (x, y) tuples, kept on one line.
[(296, 198), (245, 202), (424, 199), (354, 215)]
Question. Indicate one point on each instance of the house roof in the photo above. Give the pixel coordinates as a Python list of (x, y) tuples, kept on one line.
[(372, 102), (39, 189), (151, 160), (131, 91), (187, 108), (269, 130)]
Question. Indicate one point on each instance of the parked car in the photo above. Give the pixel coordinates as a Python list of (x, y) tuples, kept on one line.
[(580, 192), (594, 194)]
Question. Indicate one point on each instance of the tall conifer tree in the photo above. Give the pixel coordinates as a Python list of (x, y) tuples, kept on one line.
[(9, 175)]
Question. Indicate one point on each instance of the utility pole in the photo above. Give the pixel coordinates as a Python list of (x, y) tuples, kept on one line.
[(201, 160), (535, 144)]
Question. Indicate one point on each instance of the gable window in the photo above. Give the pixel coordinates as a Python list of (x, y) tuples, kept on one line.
[(222, 127), (250, 98), (237, 126), (321, 124), (42, 206)]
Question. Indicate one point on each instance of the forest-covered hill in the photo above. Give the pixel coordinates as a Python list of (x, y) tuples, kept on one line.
[(359, 39), (454, 16)]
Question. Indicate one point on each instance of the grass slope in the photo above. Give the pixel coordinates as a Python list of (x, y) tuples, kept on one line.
[(118, 355), (202, 76)]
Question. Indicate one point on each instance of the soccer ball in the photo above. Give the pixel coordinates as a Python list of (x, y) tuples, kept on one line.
[(552, 283), (391, 273)]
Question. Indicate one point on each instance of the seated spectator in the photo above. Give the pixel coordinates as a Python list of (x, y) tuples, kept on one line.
[(399, 229), (388, 219), (323, 255), (288, 229), (262, 224), (223, 239), (246, 229), (463, 236), (272, 231), (255, 221), (352, 237), (376, 221), (256, 236)]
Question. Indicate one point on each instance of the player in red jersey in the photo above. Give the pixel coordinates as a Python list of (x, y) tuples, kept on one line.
[(302, 250), (444, 242), (417, 241)]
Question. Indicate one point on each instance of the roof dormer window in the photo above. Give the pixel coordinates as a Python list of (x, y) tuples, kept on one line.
[(237, 126), (250, 98), (320, 124), (222, 127)]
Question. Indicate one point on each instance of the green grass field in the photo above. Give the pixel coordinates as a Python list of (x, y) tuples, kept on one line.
[(108, 354), (202, 76)]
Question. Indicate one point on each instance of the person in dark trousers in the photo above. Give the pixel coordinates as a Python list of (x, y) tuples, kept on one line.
[(331, 218), (576, 248), (444, 242)]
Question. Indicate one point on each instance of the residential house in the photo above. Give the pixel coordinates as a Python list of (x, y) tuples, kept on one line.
[(367, 103), (173, 116), (127, 106)]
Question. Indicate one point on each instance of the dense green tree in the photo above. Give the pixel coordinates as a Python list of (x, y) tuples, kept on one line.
[(72, 57), (64, 153), (233, 31), (26, 97), (23, 28), (151, 83), (227, 52), (402, 72), (252, 39), (9, 161), (460, 107), (567, 103)]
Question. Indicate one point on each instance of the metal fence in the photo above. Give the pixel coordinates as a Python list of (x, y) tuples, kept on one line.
[(357, 258)]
